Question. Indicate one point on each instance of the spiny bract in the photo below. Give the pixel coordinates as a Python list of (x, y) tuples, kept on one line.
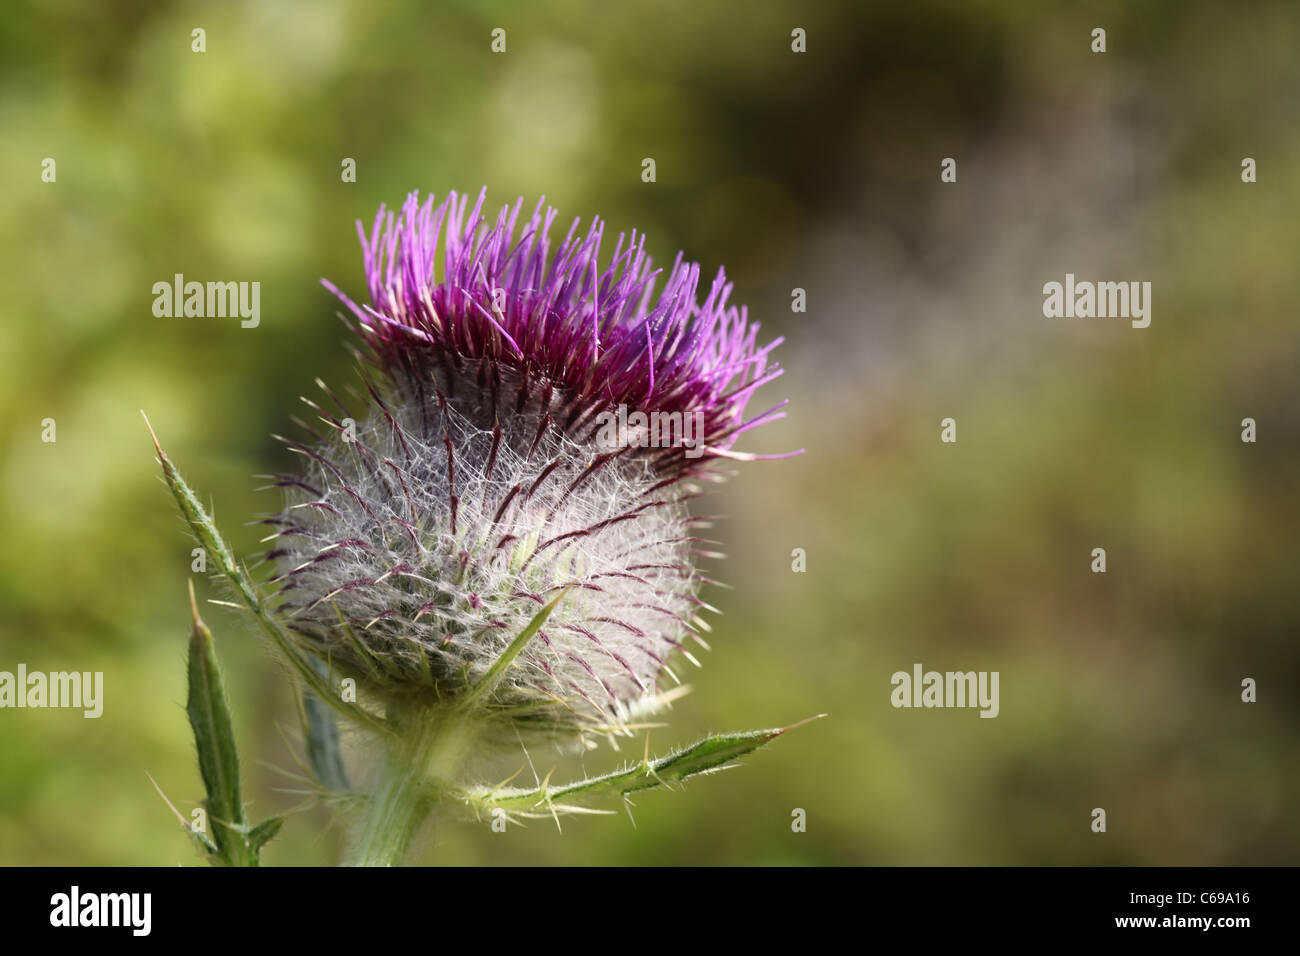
[(427, 530)]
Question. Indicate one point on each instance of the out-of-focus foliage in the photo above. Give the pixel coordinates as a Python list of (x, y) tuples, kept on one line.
[(818, 171)]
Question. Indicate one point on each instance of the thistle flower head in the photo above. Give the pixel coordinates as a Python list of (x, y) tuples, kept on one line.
[(530, 428)]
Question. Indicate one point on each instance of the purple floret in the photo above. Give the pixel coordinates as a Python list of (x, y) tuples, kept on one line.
[(602, 338)]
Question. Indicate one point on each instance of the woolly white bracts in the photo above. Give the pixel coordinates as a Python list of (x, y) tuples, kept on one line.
[(425, 534)]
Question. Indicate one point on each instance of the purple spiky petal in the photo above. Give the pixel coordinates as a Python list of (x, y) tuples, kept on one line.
[(600, 337)]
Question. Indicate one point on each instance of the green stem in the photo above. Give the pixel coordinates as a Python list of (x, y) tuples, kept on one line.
[(425, 748), (419, 760), (396, 812)]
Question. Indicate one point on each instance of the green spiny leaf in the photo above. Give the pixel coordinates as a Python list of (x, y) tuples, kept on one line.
[(262, 834), (322, 731), (206, 531), (489, 680), (214, 739), (711, 754)]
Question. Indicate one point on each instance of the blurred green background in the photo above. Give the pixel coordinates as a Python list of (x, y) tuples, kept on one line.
[(818, 171)]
